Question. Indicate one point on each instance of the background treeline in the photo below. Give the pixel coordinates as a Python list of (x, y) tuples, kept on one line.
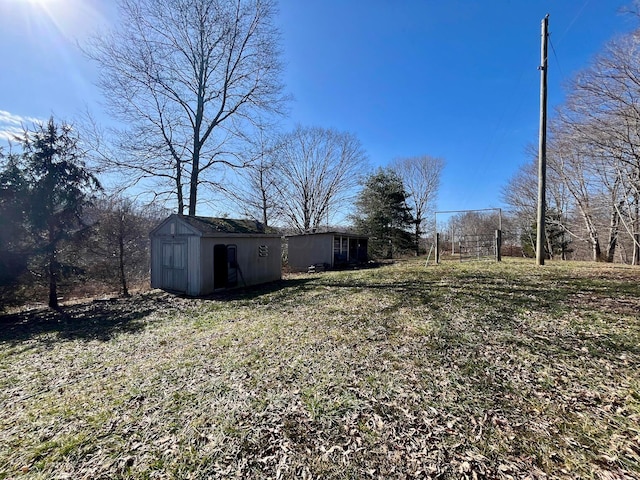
[(593, 195), (60, 235)]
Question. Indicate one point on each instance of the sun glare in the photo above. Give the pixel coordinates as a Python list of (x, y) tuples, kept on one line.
[(71, 19)]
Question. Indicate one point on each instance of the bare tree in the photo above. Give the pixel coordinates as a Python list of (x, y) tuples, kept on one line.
[(421, 178), (117, 253), (521, 194), (255, 189), (574, 169), (603, 113), (183, 77), (319, 170)]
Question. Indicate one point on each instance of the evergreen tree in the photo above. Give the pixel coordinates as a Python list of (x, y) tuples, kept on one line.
[(59, 186), (382, 213), (13, 235)]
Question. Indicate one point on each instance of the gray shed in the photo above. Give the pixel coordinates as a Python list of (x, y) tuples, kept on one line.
[(333, 249), (201, 255)]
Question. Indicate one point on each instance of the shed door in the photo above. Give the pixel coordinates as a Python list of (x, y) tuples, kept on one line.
[(219, 266), (174, 263), (232, 266), (225, 266)]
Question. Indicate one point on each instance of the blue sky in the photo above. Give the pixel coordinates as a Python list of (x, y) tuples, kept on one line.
[(456, 79)]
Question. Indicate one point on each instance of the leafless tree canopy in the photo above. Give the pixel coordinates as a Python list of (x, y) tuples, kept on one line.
[(183, 77), (255, 189), (318, 170), (421, 178), (594, 155)]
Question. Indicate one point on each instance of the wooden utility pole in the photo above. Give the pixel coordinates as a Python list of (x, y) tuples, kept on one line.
[(542, 147)]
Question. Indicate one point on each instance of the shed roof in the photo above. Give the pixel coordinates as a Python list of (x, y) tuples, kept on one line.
[(212, 226), (332, 234), (224, 225)]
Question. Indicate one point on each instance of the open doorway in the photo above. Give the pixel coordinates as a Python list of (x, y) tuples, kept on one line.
[(225, 266)]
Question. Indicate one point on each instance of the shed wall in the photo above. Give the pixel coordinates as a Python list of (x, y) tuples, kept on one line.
[(191, 253), (206, 257), (254, 268), (194, 266), (306, 250)]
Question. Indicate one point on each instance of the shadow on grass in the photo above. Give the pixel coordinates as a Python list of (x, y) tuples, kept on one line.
[(285, 286), (96, 320), (102, 320)]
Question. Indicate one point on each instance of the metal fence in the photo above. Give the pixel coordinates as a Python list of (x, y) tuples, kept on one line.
[(477, 247), (474, 247)]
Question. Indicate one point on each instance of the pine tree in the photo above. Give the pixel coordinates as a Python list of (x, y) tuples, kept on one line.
[(13, 234), (59, 186), (382, 213)]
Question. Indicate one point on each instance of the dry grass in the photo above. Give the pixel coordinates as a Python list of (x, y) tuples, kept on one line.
[(450, 371)]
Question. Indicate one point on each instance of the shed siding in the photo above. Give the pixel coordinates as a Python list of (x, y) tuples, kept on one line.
[(256, 269), (305, 250), (206, 258), (174, 226), (193, 266)]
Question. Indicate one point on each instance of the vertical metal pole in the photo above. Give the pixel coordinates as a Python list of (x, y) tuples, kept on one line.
[(437, 248), (542, 147), (453, 245)]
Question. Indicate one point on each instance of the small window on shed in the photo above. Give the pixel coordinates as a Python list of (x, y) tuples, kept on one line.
[(172, 228)]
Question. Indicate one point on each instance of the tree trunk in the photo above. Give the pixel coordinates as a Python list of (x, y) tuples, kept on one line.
[(614, 225), (417, 238), (597, 251), (636, 235), (179, 187), (193, 185), (53, 287), (123, 278)]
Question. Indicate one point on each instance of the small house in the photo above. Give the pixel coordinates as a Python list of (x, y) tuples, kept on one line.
[(334, 250), (201, 255)]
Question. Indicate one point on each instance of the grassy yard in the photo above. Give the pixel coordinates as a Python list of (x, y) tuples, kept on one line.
[(453, 371)]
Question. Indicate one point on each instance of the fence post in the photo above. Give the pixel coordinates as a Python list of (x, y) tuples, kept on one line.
[(437, 248), (498, 245)]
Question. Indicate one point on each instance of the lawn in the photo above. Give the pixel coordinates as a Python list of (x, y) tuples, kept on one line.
[(474, 370)]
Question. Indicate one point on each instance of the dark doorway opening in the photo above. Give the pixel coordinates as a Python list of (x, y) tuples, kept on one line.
[(225, 266)]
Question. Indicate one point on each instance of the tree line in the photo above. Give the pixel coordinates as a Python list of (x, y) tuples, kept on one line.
[(593, 161), (58, 226)]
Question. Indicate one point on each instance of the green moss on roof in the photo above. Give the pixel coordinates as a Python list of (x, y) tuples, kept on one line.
[(227, 225)]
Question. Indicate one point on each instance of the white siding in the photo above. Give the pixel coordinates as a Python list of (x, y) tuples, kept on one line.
[(206, 264)]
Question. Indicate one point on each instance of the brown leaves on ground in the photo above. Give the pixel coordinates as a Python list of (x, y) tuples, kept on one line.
[(456, 371)]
